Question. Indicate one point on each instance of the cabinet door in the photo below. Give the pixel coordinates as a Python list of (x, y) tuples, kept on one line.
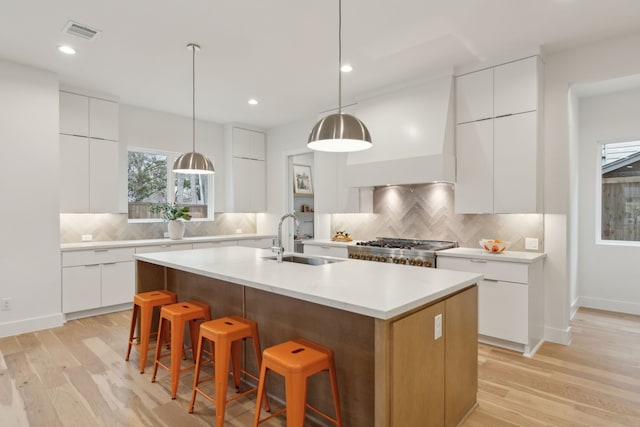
[(248, 185), (80, 288), (74, 174), (516, 87), (474, 96), (103, 176), (418, 369), (103, 119), (333, 251), (474, 157), (503, 310), (74, 114), (515, 145), (248, 144), (461, 355), (118, 283)]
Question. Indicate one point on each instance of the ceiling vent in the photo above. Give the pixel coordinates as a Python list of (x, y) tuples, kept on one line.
[(79, 30)]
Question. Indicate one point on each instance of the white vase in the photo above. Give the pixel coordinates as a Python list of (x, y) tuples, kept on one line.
[(176, 229)]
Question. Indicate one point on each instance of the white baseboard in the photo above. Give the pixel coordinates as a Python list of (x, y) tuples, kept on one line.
[(31, 325), (558, 336), (609, 305)]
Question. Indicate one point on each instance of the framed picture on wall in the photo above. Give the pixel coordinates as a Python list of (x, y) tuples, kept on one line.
[(302, 183)]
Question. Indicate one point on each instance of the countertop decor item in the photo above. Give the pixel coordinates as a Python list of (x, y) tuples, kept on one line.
[(339, 132), (193, 162), (495, 246), (175, 215), (341, 236)]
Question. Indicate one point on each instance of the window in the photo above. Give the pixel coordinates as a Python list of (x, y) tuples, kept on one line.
[(620, 191), (151, 181)]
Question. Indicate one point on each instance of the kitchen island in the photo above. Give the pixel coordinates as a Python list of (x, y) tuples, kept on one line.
[(405, 338)]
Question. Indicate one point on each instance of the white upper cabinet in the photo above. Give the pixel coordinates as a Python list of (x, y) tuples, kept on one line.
[(89, 155), (474, 96), (248, 144), (103, 119), (498, 156), (516, 87), (474, 186), (74, 114), (246, 179)]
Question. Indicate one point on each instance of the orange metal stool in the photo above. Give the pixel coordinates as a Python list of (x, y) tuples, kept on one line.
[(297, 360), (143, 305), (226, 334), (177, 314)]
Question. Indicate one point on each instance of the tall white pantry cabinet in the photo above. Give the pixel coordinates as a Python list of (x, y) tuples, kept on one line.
[(498, 155), (89, 154)]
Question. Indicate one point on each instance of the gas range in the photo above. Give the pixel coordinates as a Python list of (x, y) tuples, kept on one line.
[(419, 253)]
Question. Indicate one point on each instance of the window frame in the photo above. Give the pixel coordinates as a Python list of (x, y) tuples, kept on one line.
[(171, 158), (598, 197)]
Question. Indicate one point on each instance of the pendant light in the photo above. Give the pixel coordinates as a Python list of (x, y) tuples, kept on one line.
[(339, 132), (192, 162)]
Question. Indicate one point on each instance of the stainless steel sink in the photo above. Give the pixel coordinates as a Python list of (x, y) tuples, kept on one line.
[(306, 260)]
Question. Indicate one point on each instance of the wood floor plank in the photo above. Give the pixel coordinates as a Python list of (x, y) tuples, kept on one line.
[(76, 375)]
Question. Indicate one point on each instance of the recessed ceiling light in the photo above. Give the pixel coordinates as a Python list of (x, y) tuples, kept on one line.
[(346, 68), (67, 49), (253, 101)]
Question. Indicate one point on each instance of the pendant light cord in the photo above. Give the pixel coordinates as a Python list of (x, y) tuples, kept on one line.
[(193, 106), (339, 56)]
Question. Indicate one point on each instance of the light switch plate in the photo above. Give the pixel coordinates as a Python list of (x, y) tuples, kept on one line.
[(87, 237), (531, 243)]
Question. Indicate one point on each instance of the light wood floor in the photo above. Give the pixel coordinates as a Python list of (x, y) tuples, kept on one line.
[(75, 375)]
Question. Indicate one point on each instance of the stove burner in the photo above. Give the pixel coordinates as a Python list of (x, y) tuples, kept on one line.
[(400, 251)]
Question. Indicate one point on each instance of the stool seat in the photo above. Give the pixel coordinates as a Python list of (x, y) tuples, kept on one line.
[(226, 334), (296, 360), (143, 306), (177, 315)]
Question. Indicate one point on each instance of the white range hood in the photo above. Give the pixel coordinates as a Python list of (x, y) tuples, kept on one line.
[(413, 137)]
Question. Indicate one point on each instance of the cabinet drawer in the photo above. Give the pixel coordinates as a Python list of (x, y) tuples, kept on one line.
[(256, 243), (222, 244), (333, 251), (97, 256), (492, 270), (164, 248)]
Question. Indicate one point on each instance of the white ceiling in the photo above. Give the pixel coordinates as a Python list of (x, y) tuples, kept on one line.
[(284, 52)]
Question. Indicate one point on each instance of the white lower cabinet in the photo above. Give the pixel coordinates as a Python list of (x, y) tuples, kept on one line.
[(167, 247), (97, 278), (510, 300), (326, 250)]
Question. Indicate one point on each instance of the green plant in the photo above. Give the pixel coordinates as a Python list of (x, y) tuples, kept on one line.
[(171, 211)]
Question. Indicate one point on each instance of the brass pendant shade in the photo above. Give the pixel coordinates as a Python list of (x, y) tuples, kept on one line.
[(193, 163), (339, 133)]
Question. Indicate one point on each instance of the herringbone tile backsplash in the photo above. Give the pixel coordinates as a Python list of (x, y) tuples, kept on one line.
[(426, 211), (105, 227)]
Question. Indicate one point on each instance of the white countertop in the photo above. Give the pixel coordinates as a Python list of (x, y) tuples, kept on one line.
[(380, 290), (328, 242), (508, 256), (165, 241)]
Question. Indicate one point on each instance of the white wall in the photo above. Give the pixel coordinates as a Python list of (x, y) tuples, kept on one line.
[(140, 127), (30, 250), (607, 274), (282, 142)]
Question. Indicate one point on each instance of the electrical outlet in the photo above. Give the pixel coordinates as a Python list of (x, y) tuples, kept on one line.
[(531, 243), (166, 234), (5, 304), (87, 237), (238, 230), (437, 327)]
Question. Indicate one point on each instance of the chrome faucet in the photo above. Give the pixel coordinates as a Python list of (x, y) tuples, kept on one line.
[(278, 249)]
